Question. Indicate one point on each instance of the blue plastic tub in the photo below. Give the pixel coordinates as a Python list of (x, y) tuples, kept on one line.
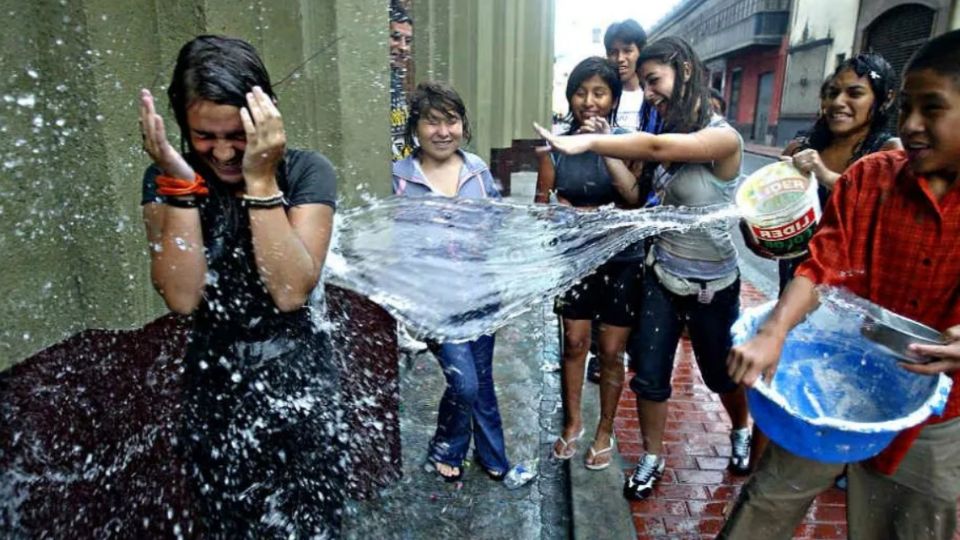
[(835, 398)]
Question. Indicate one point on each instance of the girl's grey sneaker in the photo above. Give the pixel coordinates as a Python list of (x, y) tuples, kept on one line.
[(640, 484)]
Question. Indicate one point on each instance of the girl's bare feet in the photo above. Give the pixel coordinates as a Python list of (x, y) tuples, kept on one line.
[(599, 457), (448, 471)]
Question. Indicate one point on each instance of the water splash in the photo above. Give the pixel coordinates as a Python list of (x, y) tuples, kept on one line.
[(455, 269)]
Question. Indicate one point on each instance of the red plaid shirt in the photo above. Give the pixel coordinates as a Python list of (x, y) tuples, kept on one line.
[(885, 237)]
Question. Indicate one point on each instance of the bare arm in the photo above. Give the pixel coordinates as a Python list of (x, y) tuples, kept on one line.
[(828, 178), (546, 176), (177, 262), (716, 144), (809, 162), (760, 356), (623, 180), (289, 249)]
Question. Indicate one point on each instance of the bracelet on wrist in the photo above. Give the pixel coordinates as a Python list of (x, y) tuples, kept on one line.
[(181, 202), (270, 201), (171, 186)]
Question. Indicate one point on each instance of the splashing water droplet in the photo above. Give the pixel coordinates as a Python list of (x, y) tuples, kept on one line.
[(494, 259), (27, 100)]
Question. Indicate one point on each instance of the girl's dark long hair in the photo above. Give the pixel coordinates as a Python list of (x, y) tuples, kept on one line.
[(883, 80), (585, 70), (689, 107), (218, 69)]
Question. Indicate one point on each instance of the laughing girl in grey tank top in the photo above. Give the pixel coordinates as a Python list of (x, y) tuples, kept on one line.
[(695, 161)]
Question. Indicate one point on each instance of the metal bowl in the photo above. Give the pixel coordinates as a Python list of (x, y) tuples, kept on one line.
[(896, 332)]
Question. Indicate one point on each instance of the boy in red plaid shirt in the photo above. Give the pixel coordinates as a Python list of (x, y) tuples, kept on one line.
[(891, 234)]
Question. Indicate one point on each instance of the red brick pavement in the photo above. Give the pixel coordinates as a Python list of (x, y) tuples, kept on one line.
[(690, 499)]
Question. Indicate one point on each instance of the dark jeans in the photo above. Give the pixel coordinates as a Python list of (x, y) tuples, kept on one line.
[(662, 318), (468, 407)]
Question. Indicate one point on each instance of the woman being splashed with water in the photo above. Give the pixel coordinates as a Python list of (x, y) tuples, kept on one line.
[(436, 127), (611, 293), (692, 277), (238, 227)]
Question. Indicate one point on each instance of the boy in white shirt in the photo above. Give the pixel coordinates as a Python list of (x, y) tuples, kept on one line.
[(624, 40)]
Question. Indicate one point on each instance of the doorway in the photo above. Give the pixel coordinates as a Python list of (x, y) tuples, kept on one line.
[(761, 115)]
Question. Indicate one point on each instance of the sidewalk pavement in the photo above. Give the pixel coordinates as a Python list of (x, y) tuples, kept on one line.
[(696, 490), (422, 506), (566, 499)]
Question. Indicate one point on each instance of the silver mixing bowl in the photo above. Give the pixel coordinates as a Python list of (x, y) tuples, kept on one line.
[(896, 332)]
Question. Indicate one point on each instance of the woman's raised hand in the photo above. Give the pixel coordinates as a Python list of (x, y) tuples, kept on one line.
[(266, 138), (808, 161), (596, 125), (155, 141), (566, 144)]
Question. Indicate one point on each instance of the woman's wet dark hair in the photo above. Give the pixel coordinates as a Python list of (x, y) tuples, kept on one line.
[(398, 14), (585, 70), (218, 69), (689, 108), (436, 96), (883, 80)]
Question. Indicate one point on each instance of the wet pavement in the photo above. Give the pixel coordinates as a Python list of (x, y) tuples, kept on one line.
[(421, 505), (696, 491), (566, 500)]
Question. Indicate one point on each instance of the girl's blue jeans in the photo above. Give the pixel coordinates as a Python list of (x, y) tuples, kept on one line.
[(468, 407)]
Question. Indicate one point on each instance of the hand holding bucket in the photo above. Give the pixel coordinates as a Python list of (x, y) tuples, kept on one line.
[(781, 208)]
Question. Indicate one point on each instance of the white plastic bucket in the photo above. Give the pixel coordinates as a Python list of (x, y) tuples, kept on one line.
[(781, 208)]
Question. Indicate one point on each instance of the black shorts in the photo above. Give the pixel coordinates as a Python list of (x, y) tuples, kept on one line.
[(611, 294)]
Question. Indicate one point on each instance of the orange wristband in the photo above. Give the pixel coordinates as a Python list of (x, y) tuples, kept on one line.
[(171, 186)]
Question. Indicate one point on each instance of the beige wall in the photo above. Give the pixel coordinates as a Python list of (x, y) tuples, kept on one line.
[(819, 19), (498, 54), (71, 237)]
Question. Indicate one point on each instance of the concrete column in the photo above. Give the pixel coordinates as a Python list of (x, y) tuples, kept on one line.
[(498, 54), (362, 59)]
